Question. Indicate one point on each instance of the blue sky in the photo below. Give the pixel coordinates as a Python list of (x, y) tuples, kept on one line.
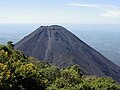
[(60, 11)]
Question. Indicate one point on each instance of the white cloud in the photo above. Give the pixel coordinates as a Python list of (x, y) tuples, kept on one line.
[(86, 5), (114, 14), (109, 10)]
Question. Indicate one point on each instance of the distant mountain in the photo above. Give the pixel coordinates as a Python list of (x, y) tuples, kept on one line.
[(56, 45)]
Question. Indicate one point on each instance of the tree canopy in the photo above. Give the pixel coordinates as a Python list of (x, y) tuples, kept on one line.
[(19, 72)]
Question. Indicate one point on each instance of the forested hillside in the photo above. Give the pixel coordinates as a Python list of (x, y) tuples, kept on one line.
[(19, 72)]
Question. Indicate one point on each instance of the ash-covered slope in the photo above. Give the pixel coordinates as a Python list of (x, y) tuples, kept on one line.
[(58, 46)]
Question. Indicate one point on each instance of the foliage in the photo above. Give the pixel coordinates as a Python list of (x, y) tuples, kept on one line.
[(18, 72), (10, 44)]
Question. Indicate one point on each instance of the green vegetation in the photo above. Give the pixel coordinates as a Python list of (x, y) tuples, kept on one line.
[(18, 72)]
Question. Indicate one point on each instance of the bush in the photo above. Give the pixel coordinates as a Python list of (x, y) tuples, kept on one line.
[(18, 72)]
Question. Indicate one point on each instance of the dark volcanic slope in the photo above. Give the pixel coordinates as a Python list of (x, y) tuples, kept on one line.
[(58, 46)]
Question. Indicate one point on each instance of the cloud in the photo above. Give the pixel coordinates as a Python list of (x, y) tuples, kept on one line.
[(109, 10), (114, 14), (86, 5)]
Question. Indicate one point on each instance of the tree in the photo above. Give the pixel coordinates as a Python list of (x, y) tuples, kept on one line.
[(18, 72), (10, 44)]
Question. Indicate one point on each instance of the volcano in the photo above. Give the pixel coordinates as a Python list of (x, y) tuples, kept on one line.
[(56, 45)]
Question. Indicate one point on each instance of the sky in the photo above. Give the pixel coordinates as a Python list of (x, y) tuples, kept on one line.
[(60, 11)]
